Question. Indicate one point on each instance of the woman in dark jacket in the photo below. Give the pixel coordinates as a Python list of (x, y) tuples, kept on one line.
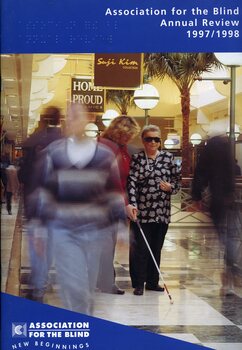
[(153, 177)]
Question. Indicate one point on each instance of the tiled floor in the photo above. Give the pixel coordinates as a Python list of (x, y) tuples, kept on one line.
[(7, 231), (191, 266)]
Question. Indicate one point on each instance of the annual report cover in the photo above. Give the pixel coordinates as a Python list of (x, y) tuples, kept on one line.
[(56, 55)]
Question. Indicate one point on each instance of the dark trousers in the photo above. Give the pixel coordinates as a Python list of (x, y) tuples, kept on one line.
[(9, 201), (106, 274), (141, 264)]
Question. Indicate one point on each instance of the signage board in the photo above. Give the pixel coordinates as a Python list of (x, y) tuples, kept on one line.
[(117, 70), (84, 92)]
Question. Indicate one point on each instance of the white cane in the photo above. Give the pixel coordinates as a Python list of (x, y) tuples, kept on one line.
[(153, 258)]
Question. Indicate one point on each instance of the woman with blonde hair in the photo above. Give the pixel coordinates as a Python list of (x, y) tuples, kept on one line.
[(118, 134)]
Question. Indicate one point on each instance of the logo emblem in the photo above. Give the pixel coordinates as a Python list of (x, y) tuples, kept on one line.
[(19, 330)]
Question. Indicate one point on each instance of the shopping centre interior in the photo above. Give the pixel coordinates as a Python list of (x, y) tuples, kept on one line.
[(192, 260), (30, 83)]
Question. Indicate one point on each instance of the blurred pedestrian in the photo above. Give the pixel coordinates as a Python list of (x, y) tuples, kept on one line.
[(215, 171), (153, 177), (237, 168), (39, 238), (12, 186), (4, 164), (116, 136), (79, 194)]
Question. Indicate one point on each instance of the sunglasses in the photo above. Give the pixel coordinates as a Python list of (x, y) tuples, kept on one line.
[(150, 139)]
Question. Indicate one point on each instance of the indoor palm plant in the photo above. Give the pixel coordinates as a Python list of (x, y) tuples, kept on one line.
[(182, 69)]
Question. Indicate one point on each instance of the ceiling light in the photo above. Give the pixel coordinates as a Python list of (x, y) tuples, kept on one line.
[(229, 58), (168, 144), (108, 116), (196, 139), (146, 98), (91, 130)]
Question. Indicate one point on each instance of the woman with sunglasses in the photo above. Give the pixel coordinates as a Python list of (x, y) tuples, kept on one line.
[(153, 177)]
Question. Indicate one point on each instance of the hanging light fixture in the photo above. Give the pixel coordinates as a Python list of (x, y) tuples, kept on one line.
[(229, 58), (91, 130), (196, 139), (146, 98), (168, 144), (108, 116)]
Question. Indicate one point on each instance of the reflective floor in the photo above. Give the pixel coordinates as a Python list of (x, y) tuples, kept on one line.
[(191, 265)]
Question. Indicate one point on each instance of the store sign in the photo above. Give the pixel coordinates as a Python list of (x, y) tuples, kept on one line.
[(118, 70), (84, 92)]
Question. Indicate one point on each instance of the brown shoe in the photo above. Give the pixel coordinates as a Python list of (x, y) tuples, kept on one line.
[(118, 291), (155, 289), (138, 291)]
